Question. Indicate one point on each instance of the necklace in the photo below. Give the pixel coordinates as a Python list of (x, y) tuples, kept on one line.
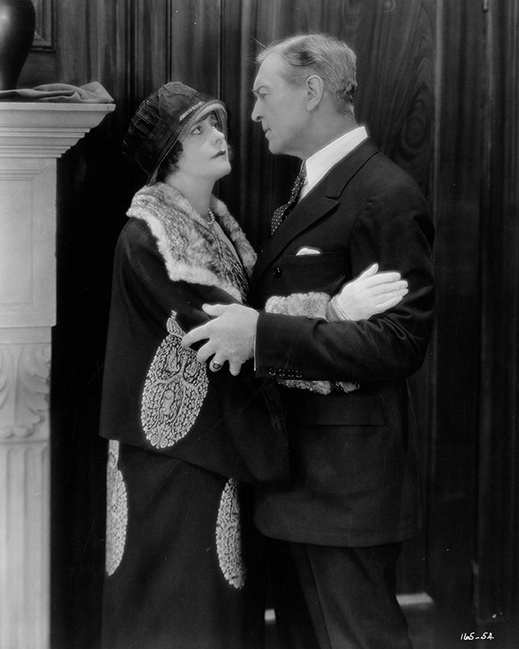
[(214, 227)]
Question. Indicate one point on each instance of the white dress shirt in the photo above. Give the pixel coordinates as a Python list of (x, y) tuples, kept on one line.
[(320, 163)]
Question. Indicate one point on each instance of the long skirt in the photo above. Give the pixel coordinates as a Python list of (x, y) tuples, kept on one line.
[(184, 566)]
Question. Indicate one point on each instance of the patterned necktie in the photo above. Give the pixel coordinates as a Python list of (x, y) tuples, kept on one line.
[(282, 212)]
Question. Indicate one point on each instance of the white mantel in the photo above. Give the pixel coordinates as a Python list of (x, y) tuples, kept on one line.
[(32, 137)]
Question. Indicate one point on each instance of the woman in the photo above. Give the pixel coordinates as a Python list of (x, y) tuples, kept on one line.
[(183, 440)]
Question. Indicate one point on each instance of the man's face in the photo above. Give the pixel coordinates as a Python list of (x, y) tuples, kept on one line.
[(280, 108)]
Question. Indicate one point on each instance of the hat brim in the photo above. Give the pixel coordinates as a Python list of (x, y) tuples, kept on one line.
[(213, 106)]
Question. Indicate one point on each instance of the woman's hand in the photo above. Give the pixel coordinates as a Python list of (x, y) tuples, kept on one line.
[(368, 294)]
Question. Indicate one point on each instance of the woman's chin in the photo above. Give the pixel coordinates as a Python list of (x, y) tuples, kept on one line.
[(226, 170)]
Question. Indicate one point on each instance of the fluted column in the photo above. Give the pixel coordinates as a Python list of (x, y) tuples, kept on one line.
[(32, 137)]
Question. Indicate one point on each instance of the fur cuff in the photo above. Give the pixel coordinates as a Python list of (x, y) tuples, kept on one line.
[(312, 305)]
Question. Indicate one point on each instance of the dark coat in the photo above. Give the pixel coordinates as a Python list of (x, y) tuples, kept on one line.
[(155, 393), (179, 538), (354, 457)]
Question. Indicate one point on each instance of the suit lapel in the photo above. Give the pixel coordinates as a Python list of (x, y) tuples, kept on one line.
[(314, 206)]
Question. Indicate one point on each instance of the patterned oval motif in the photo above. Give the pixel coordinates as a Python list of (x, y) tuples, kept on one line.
[(175, 388), (228, 536), (116, 511)]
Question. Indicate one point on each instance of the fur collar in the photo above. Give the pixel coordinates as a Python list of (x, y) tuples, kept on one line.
[(188, 243)]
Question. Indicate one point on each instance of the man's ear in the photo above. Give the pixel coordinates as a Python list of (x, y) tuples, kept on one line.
[(314, 92)]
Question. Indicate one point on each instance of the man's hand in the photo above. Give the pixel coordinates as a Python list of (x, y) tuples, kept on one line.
[(230, 336)]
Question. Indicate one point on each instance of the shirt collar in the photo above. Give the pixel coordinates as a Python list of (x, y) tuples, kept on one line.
[(318, 164)]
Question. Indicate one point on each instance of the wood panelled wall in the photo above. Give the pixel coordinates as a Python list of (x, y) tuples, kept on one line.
[(438, 91), (460, 63), (497, 549)]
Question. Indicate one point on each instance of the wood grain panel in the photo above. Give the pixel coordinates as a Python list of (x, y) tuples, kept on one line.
[(148, 46), (451, 532), (194, 44), (497, 593)]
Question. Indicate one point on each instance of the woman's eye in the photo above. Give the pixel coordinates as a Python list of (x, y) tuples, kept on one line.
[(196, 130)]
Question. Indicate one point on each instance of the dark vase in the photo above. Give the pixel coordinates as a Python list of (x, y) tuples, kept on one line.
[(17, 19)]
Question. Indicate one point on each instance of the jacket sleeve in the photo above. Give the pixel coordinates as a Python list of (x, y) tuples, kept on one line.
[(394, 229)]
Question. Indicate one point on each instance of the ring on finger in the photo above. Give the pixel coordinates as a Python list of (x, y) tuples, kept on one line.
[(215, 366)]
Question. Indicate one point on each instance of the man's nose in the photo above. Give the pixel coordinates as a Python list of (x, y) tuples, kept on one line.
[(256, 113)]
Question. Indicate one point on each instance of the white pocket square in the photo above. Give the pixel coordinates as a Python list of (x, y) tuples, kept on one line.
[(308, 251)]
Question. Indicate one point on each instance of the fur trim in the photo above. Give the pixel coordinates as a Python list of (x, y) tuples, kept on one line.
[(312, 305), (187, 243), (233, 230)]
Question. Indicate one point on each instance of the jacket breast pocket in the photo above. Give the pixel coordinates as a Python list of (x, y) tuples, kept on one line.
[(303, 273)]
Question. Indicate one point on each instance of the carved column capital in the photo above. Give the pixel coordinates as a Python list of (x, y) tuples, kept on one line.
[(24, 391)]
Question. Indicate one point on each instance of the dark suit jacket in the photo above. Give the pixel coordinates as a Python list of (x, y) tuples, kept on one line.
[(354, 456)]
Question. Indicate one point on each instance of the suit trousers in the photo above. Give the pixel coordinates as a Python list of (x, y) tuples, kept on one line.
[(336, 597)]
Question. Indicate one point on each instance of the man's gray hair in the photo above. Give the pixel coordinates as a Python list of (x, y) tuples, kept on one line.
[(323, 55)]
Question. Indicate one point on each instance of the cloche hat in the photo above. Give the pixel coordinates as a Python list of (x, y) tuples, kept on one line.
[(165, 118)]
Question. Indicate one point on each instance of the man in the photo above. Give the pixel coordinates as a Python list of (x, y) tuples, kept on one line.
[(336, 532)]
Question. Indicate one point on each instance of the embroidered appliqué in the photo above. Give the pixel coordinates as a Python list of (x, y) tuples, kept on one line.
[(116, 511), (228, 536), (175, 388)]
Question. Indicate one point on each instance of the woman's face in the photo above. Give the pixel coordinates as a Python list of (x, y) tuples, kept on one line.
[(205, 154)]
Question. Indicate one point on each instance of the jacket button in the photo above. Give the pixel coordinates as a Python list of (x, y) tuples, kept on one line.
[(277, 271)]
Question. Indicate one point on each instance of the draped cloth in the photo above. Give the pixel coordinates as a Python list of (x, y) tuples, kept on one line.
[(90, 93)]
